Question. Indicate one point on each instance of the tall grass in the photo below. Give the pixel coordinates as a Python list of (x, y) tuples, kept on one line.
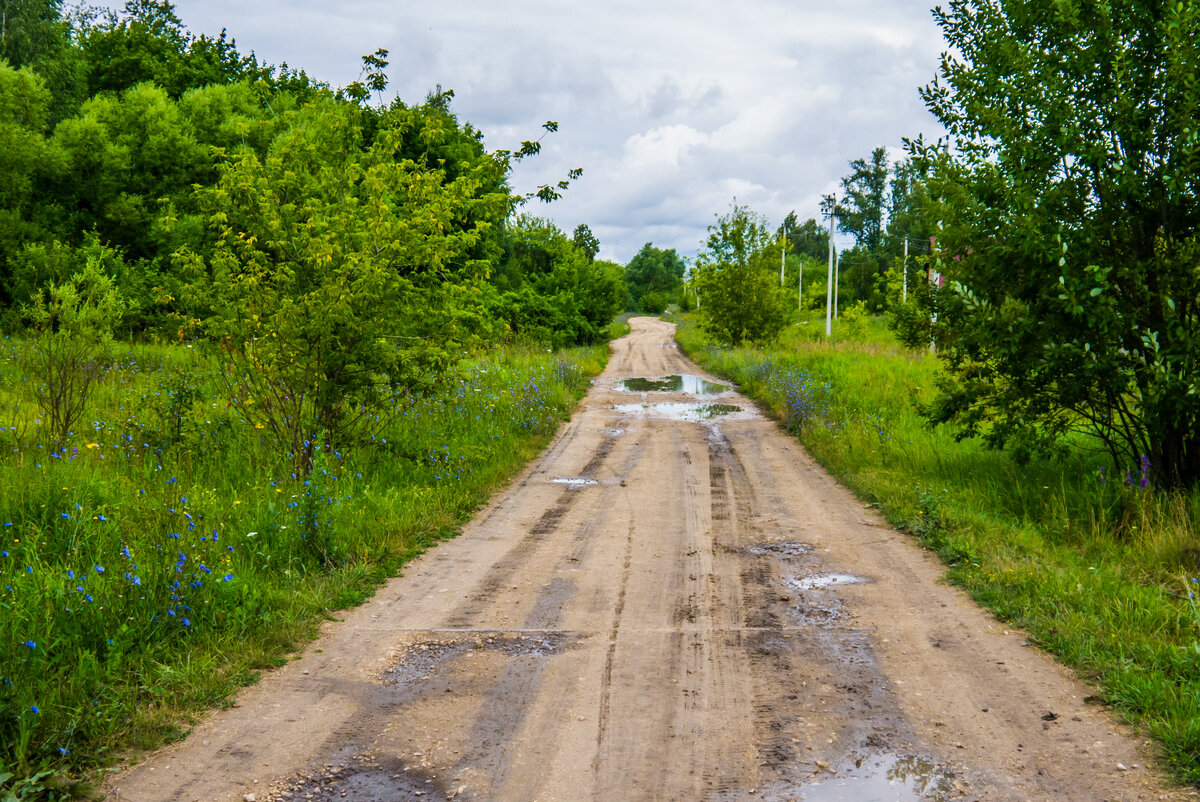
[(151, 564), (1100, 570)]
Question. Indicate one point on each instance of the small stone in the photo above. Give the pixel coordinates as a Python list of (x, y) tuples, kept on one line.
[(1122, 767), (248, 798)]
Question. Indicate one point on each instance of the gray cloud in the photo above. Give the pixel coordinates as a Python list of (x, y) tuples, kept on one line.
[(672, 108)]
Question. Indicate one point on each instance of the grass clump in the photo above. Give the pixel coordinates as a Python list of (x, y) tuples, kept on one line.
[(1100, 569), (161, 553)]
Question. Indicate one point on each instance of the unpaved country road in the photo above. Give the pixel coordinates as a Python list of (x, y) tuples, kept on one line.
[(650, 612)]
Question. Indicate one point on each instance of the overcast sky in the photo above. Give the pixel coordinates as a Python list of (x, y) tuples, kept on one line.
[(671, 108)]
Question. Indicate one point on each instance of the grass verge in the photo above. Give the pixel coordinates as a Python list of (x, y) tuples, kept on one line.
[(1100, 572), (151, 565)]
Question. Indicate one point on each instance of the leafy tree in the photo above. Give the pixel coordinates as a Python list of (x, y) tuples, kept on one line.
[(586, 241), (1068, 195), (147, 41), (24, 105), (548, 290), (807, 239), (73, 325), (33, 34), (861, 211), (338, 277), (740, 296), (656, 272)]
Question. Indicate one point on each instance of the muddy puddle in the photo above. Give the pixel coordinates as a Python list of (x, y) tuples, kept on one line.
[(574, 481), (679, 383), (822, 581), (884, 778), (786, 548), (680, 411), (423, 660), (364, 778)]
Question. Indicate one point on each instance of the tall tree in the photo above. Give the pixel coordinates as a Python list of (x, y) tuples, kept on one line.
[(1069, 195), (656, 272), (806, 239), (861, 212), (586, 241), (740, 296)]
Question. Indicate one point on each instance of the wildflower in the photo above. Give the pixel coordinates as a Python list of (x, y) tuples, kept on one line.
[(35, 710), (66, 516), (99, 569), (31, 644), (63, 751), (70, 574), (186, 623), (228, 578)]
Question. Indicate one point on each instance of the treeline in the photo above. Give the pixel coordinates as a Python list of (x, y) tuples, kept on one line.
[(134, 146)]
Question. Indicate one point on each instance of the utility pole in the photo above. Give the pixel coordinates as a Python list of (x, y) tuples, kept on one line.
[(783, 254), (800, 288), (904, 269), (829, 204), (837, 279)]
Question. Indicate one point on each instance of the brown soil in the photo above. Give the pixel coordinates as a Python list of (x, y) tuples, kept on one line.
[(703, 614)]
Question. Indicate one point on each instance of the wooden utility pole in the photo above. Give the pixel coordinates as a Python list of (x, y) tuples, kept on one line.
[(904, 269)]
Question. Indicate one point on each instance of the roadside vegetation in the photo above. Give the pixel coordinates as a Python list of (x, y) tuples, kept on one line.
[(1098, 566), (151, 562)]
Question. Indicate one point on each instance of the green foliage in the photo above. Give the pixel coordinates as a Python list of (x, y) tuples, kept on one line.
[(148, 42), (1068, 242), (547, 290), (338, 275), (861, 212), (654, 272), (156, 560), (740, 296), (807, 239), (73, 322), (586, 241)]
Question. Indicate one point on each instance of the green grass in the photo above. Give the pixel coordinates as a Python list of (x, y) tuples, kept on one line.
[(1099, 572), (151, 566)]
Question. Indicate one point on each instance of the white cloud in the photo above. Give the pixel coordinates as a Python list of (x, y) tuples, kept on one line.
[(671, 107)]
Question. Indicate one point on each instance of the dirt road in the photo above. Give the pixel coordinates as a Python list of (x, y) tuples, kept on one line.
[(673, 603)]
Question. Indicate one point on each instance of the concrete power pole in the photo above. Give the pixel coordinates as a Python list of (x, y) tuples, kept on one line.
[(829, 202), (837, 279), (904, 269), (783, 254)]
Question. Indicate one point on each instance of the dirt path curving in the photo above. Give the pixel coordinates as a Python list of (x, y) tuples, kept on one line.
[(673, 603)]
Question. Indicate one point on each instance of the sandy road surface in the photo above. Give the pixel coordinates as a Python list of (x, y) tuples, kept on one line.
[(668, 624)]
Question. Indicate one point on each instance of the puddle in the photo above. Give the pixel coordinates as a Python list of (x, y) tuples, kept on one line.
[(361, 779), (424, 660), (574, 481), (680, 383), (683, 411), (788, 548), (820, 581), (612, 432), (885, 778)]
